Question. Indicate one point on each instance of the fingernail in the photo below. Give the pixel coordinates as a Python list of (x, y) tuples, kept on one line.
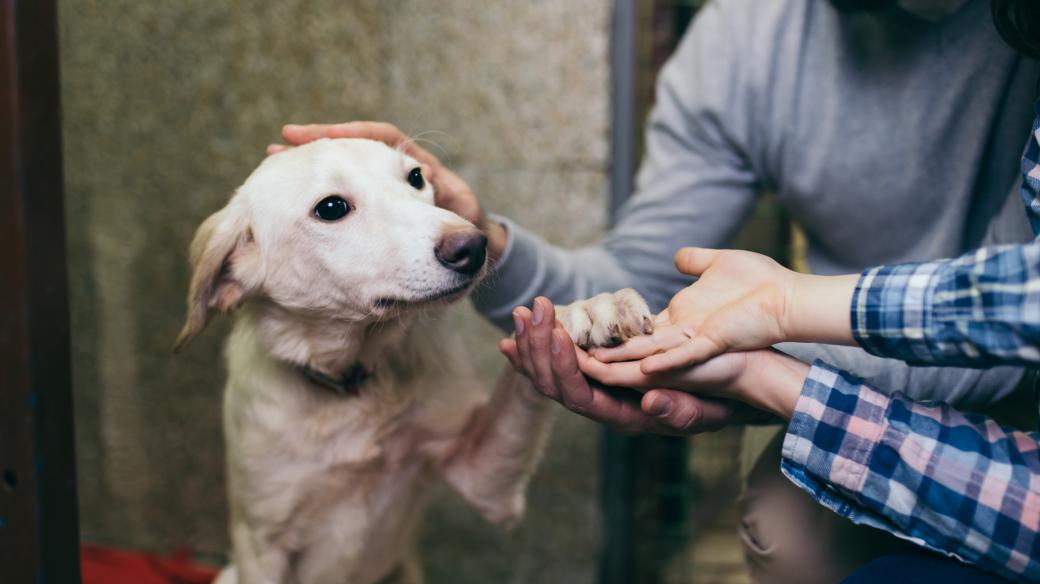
[(536, 319), (660, 405), (518, 324), (555, 344)]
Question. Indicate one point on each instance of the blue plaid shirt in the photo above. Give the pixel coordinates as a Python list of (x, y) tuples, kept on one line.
[(955, 483)]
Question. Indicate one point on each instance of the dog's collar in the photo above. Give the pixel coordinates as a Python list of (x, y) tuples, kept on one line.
[(348, 384)]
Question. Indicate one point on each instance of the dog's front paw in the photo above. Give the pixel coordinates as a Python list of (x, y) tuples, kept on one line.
[(606, 319)]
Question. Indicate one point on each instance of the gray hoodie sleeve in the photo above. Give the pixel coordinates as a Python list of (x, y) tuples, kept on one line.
[(696, 185)]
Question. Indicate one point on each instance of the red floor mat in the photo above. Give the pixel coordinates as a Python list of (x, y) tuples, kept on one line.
[(105, 565)]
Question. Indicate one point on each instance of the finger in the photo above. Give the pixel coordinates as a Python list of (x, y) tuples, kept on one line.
[(526, 351), (632, 349), (574, 388), (685, 414), (508, 348), (276, 148), (622, 374), (540, 338), (302, 133), (620, 408), (662, 339), (381, 131), (694, 260), (693, 352), (520, 337)]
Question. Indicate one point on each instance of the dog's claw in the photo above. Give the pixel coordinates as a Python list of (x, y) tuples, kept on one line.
[(648, 326), (607, 320)]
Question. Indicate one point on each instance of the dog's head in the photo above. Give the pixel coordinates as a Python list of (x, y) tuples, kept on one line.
[(341, 229)]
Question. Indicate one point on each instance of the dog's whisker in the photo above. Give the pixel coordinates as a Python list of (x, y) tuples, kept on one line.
[(419, 138)]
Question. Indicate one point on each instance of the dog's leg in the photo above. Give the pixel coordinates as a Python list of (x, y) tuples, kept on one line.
[(497, 453), (499, 449), (256, 562)]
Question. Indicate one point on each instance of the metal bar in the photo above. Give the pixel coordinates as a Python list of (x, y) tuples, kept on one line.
[(38, 516), (617, 486), (623, 58)]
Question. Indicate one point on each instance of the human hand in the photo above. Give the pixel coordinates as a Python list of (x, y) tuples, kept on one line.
[(765, 380), (450, 191), (543, 351), (741, 301)]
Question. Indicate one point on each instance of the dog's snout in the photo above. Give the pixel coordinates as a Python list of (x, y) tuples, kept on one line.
[(462, 251)]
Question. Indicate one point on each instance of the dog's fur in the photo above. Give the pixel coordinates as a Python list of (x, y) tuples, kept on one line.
[(329, 488)]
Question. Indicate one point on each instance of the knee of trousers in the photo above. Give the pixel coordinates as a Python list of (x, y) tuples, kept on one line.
[(787, 537)]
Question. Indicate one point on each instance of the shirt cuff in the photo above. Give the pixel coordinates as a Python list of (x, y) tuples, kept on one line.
[(891, 313), (837, 423)]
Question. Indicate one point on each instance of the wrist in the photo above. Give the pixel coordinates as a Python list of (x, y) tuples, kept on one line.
[(818, 309), (772, 382), (498, 238)]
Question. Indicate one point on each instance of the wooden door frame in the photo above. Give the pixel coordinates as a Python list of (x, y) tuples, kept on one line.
[(39, 531)]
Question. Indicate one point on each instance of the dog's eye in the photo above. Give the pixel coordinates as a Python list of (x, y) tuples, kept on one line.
[(415, 178), (332, 208)]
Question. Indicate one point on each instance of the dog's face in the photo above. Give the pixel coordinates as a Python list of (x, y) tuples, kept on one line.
[(342, 229)]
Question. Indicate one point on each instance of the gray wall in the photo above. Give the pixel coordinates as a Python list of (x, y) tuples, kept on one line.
[(168, 106)]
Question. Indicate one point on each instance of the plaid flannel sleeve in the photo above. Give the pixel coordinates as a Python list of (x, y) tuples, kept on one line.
[(1030, 190), (956, 483), (980, 309)]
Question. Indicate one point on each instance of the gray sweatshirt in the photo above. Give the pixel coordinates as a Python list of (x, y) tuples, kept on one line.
[(889, 138)]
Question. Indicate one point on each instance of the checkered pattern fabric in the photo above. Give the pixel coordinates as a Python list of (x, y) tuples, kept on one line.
[(955, 483), (1031, 175), (980, 309)]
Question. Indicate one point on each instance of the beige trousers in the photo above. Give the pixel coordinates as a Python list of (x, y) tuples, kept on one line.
[(789, 538)]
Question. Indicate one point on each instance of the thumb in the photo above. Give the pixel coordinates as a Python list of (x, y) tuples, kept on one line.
[(694, 260)]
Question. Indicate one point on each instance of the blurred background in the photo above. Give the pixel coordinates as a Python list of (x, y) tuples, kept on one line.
[(167, 107)]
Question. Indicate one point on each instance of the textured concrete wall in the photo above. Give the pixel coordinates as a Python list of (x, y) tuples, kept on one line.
[(168, 107)]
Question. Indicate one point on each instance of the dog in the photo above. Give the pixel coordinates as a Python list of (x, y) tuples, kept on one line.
[(346, 396)]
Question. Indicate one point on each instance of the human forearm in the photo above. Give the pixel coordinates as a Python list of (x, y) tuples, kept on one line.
[(772, 383), (914, 470), (818, 309)]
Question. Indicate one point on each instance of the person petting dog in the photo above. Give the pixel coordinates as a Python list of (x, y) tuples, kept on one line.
[(889, 129)]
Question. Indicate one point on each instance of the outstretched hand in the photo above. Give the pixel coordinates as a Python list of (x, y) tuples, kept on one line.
[(742, 301)]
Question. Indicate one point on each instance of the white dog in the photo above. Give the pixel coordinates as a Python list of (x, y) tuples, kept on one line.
[(344, 398)]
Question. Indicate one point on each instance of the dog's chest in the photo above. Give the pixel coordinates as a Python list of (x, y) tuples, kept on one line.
[(355, 515)]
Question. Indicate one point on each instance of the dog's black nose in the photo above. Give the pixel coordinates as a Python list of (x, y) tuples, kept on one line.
[(462, 251)]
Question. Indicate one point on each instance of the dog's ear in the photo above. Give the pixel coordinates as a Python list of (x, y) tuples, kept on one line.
[(225, 257)]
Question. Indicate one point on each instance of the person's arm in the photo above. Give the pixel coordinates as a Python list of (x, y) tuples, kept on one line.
[(959, 484), (956, 483), (696, 185), (1030, 190), (744, 301), (980, 309)]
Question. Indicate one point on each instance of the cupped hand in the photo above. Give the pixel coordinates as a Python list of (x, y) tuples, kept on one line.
[(542, 351)]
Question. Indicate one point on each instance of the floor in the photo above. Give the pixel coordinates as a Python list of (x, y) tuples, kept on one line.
[(714, 554)]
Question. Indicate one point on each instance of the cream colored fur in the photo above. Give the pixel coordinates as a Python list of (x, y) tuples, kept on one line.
[(330, 488)]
